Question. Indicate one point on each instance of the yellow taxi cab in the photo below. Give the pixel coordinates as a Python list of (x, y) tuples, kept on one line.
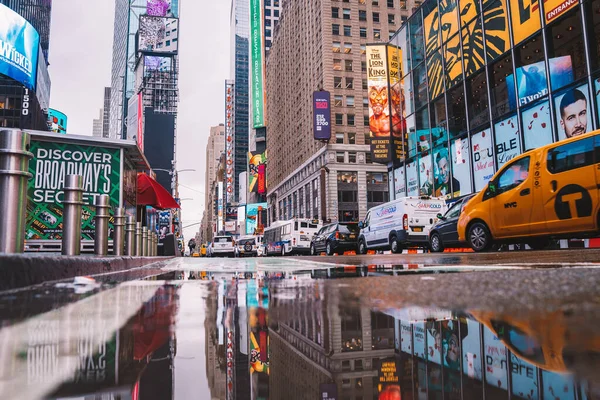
[(547, 193), (195, 254), (203, 250)]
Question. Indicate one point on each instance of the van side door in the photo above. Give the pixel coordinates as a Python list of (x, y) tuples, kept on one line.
[(512, 203), (571, 191)]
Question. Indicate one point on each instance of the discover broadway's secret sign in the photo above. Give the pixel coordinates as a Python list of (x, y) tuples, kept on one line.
[(52, 162)]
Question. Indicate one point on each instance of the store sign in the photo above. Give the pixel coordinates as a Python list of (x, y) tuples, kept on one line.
[(52, 162), (379, 110), (322, 115), (257, 51), (229, 142), (555, 8)]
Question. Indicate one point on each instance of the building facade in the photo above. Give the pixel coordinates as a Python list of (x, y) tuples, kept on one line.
[(334, 180), (214, 149), (106, 113), (97, 125), (119, 68), (485, 81)]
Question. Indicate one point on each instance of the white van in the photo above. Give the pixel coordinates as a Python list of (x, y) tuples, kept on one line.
[(399, 224)]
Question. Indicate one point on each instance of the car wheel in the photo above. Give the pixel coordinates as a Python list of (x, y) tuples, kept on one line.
[(362, 247), (480, 237), (394, 245), (329, 250), (313, 251), (435, 242)]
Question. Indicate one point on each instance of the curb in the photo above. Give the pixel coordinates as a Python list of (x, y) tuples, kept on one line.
[(17, 271)]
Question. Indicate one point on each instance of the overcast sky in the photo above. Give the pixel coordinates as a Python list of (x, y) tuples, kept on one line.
[(81, 42)]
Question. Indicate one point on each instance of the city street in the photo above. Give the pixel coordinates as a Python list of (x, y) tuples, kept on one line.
[(455, 326)]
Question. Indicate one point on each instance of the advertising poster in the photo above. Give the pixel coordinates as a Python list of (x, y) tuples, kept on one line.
[(220, 216), (419, 340), (537, 126), (597, 93), (397, 103), (425, 175), (256, 161), (453, 60), (412, 179), (444, 183), (57, 121), (525, 19), (555, 8), (163, 8), (434, 342), (51, 163), (399, 182), (451, 345), (20, 43), (405, 337), (572, 116), (508, 142), (471, 350), (164, 223), (524, 378), (229, 142), (495, 21), (388, 385), (461, 167), (495, 360), (557, 386), (391, 190), (156, 34), (257, 67), (321, 115), (483, 158), (255, 218), (379, 118), (153, 64)]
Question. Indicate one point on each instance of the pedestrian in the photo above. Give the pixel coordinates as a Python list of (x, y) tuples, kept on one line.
[(192, 245)]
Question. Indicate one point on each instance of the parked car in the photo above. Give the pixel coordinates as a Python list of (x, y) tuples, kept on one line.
[(249, 245), (444, 233), (223, 246), (544, 194), (335, 238), (400, 223)]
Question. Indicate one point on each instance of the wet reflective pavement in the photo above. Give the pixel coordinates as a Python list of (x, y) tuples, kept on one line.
[(292, 328)]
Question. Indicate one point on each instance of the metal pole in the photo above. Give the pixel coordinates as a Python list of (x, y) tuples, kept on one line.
[(102, 217), (138, 238), (153, 244), (144, 241), (73, 201), (130, 236), (119, 233), (14, 172)]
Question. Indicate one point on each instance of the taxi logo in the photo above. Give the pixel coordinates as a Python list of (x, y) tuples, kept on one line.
[(573, 201)]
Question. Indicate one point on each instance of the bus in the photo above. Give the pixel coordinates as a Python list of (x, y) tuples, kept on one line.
[(290, 237)]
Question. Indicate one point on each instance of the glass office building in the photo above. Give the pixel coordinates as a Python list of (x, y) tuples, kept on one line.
[(480, 82)]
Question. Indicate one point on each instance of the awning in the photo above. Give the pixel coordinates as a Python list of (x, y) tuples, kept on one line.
[(151, 193)]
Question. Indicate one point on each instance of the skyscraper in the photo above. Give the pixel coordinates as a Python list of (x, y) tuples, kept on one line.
[(97, 125), (106, 112), (214, 149), (119, 68)]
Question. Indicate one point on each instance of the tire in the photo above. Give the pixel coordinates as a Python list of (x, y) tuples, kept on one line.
[(480, 238), (328, 249), (435, 243), (313, 251), (394, 245), (539, 244), (362, 247)]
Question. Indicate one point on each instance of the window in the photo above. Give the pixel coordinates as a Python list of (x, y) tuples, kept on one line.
[(276, 13), (362, 15), (566, 39), (365, 102), (363, 32), (377, 33), (337, 82), (350, 118), (267, 22), (349, 101), (363, 49), (377, 178), (477, 100), (377, 197), (346, 13), (368, 157), (375, 17), (337, 65), (267, 12), (367, 136), (375, 2), (348, 65), (339, 157), (390, 3), (337, 100), (337, 47), (366, 120), (339, 119), (347, 48), (335, 29), (391, 19), (347, 196), (571, 156), (347, 30), (499, 90), (335, 12), (349, 83), (352, 157), (391, 34), (513, 175), (365, 84), (339, 138), (457, 117), (351, 138), (363, 66)]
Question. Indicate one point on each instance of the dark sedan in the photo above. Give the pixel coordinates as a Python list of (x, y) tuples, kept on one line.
[(444, 233), (335, 238)]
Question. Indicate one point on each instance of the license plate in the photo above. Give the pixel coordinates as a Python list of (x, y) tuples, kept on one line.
[(417, 229), (352, 236)]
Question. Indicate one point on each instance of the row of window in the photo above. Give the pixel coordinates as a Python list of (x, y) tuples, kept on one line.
[(390, 3), (347, 29), (362, 15)]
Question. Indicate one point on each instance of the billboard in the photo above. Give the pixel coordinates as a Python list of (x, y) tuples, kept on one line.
[(483, 158), (379, 118), (157, 34), (163, 8), (159, 129), (57, 121), (153, 64), (526, 20), (257, 163), (388, 385), (42, 86), (229, 142), (100, 168), (257, 52), (572, 115), (322, 115), (256, 216), (19, 48), (220, 218), (555, 8)]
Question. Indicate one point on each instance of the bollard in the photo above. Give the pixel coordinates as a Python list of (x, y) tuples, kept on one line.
[(138, 239), (73, 201), (119, 232), (154, 244), (130, 236), (144, 241), (102, 217), (14, 172)]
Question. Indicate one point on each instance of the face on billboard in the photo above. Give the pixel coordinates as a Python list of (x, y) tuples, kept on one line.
[(158, 34), (572, 112), (20, 44)]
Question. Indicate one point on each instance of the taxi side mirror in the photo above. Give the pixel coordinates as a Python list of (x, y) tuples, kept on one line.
[(441, 217), (492, 188)]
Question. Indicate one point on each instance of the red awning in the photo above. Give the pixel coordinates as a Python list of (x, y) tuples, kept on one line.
[(151, 193)]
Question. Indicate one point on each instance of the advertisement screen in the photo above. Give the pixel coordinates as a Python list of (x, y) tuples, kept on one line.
[(434, 342), (524, 378), (379, 118), (495, 21), (572, 116), (405, 337), (19, 42), (412, 179), (508, 143), (220, 216), (257, 51), (461, 167), (419, 340), (153, 64), (321, 115), (57, 121), (471, 350), (163, 8), (255, 162), (397, 103), (537, 126), (256, 215), (495, 360), (483, 158), (425, 176), (51, 163), (444, 183), (388, 385), (399, 182), (158, 34)]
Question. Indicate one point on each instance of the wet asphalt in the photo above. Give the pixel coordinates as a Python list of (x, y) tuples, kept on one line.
[(448, 326)]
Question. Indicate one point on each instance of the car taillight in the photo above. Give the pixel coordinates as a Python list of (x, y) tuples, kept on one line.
[(405, 222), (337, 235)]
